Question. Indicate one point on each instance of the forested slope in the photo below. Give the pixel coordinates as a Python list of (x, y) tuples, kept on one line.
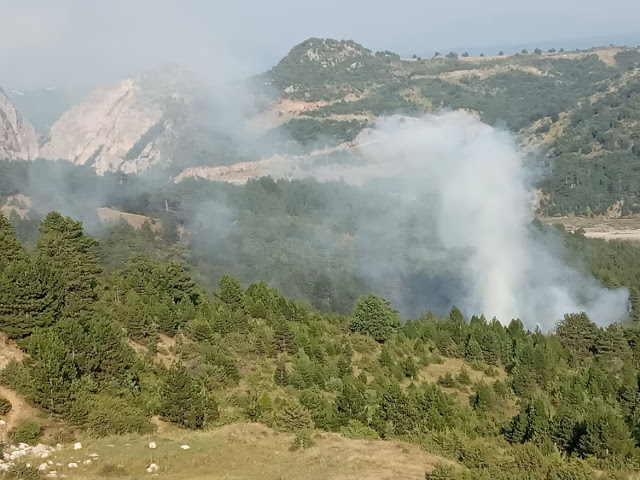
[(108, 351), (579, 109)]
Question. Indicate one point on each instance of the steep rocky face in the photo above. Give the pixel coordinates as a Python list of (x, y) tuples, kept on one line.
[(17, 136), (129, 127)]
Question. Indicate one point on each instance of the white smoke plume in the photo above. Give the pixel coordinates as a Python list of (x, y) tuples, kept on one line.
[(471, 183)]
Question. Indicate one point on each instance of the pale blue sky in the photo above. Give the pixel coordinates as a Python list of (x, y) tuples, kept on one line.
[(74, 41)]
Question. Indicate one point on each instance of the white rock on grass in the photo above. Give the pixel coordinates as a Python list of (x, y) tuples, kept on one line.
[(77, 446), (185, 447), (73, 465), (43, 467), (152, 468), (152, 445), (94, 455), (87, 462)]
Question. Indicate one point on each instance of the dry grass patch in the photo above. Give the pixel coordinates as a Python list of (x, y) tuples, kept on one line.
[(246, 451), (452, 366)]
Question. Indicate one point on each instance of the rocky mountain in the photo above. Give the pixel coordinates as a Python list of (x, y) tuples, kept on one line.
[(17, 136), (129, 127), (580, 109)]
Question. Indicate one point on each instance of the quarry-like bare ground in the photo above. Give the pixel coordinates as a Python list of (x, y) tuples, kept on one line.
[(136, 221), (600, 227)]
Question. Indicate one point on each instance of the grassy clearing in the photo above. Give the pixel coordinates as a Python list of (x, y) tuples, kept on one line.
[(243, 451)]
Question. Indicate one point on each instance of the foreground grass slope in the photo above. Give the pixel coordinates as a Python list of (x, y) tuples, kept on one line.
[(245, 451)]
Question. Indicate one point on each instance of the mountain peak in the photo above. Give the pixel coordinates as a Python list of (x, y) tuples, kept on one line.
[(17, 136)]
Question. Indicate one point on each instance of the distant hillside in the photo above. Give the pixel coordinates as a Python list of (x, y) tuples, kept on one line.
[(576, 111), (582, 107)]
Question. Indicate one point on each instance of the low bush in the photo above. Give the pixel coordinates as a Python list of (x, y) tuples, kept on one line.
[(26, 432), (5, 406)]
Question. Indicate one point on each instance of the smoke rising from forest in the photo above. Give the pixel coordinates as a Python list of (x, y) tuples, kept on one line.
[(473, 198)]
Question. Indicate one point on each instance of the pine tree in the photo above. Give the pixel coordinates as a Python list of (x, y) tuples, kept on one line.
[(230, 292), (285, 338), (578, 334), (373, 316), (10, 248), (184, 401), (472, 350), (280, 376), (393, 412), (605, 434), (31, 296), (351, 403), (172, 280), (612, 348), (52, 370), (72, 255), (532, 424)]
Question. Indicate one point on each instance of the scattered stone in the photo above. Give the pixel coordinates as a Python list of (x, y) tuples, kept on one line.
[(152, 468), (77, 446), (87, 462), (2, 422), (73, 465), (152, 445), (39, 448), (43, 467), (94, 455), (185, 447), (51, 475), (50, 462)]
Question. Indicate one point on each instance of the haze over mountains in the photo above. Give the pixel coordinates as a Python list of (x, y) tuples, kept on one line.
[(302, 117)]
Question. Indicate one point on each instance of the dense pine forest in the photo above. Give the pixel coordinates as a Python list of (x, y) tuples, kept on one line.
[(107, 349)]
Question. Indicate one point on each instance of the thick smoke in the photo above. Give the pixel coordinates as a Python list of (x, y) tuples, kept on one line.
[(467, 186)]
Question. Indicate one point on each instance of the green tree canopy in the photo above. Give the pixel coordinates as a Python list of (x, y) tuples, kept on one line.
[(72, 255), (374, 316)]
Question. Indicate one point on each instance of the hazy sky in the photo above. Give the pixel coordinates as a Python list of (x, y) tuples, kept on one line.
[(75, 41)]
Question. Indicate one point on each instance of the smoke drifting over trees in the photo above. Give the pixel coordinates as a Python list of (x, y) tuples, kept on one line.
[(469, 201)]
